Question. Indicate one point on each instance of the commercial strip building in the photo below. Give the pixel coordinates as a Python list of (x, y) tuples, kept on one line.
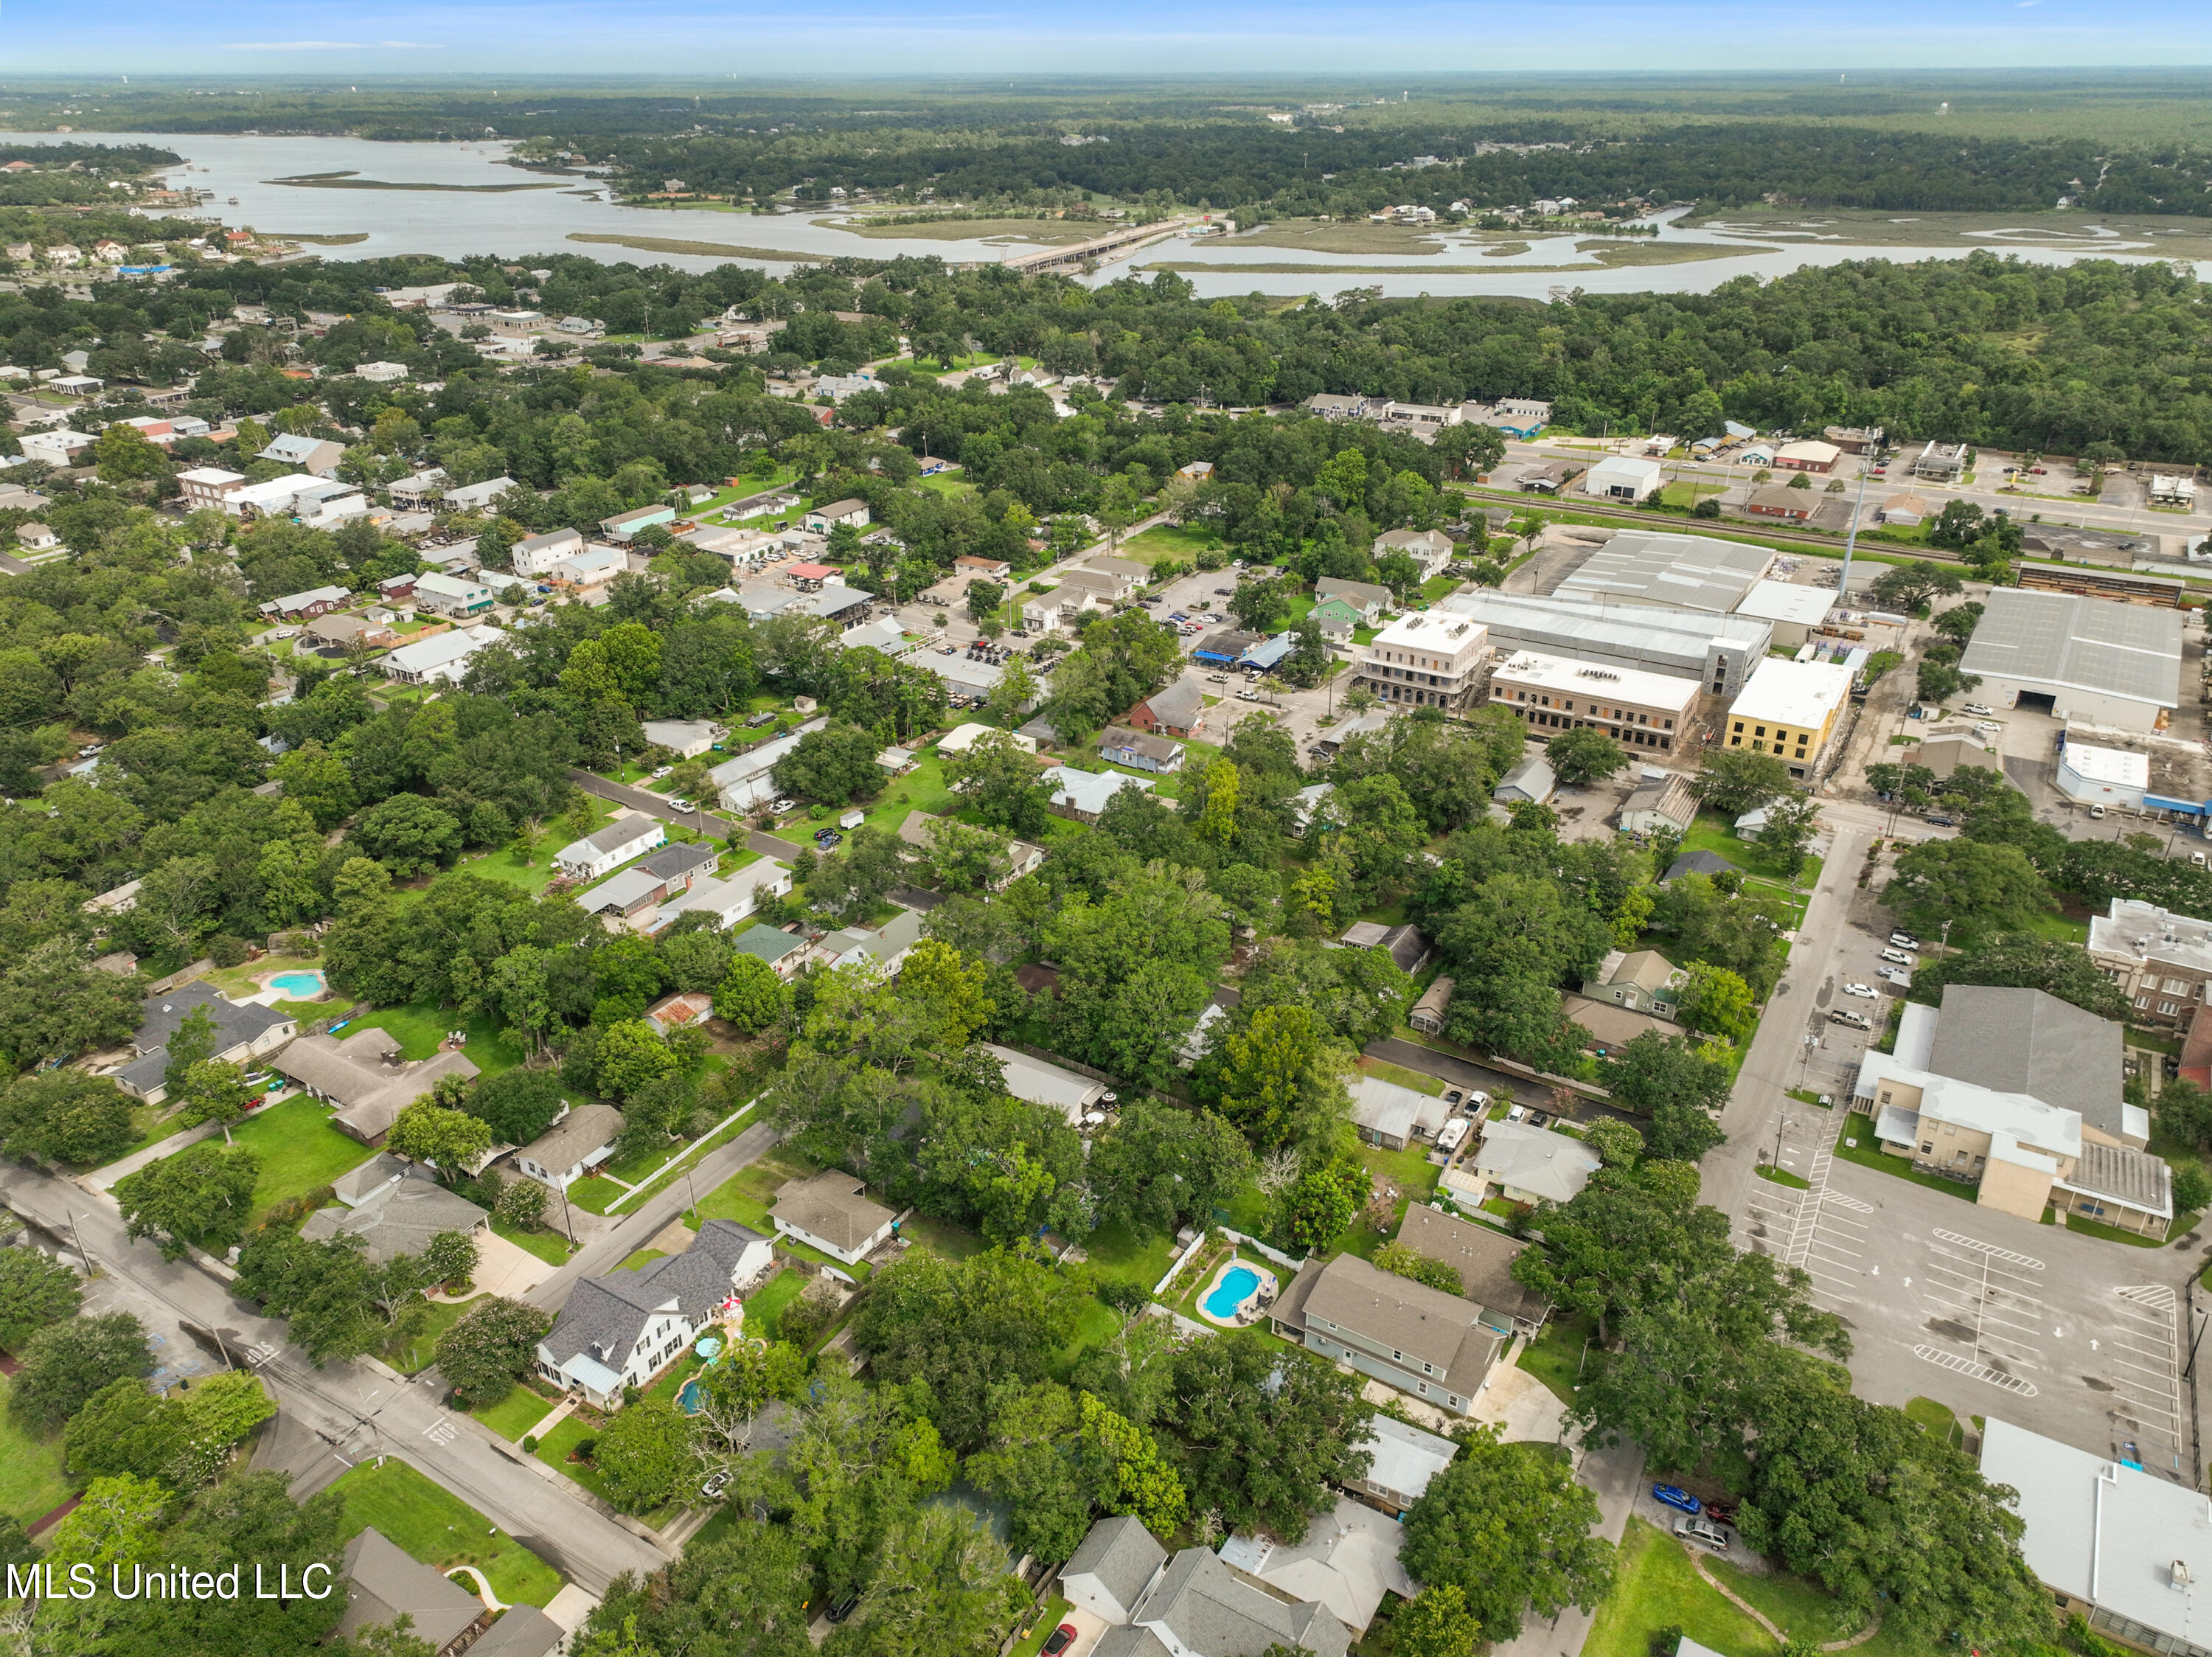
[(1719, 651), (1789, 710), (2103, 776), (1551, 694), (2017, 1094), (1680, 572), (1427, 659), (1796, 612), (2122, 1548), (2079, 658)]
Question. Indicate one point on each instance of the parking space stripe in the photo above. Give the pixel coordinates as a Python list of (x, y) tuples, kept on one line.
[(2014, 1384)]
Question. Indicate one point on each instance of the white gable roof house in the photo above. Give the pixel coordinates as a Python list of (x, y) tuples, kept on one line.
[(1039, 1082), (607, 848), (744, 782), (442, 657), (624, 1328)]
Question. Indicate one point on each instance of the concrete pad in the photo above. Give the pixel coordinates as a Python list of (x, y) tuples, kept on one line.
[(505, 1268), (1514, 1400), (673, 1237)]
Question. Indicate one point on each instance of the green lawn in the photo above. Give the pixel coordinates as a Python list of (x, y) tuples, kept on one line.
[(412, 1357), (1783, 1177), (2059, 928), (745, 1197), (1417, 1081), (548, 1245), (239, 982), (1556, 1356), (1440, 587), (299, 1149), (1654, 1587), (761, 1311), (1048, 1620), (554, 1447), (515, 1414), (441, 1530), (420, 1027), (2088, 1227), (1867, 1154), (1685, 492), (923, 789), (1165, 542), (955, 1242), (32, 1482), (1120, 1255), (944, 483), (595, 1193), (1933, 1417), (1718, 835)]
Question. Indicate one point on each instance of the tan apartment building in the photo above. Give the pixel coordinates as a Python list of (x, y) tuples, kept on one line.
[(1789, 710), (1636, 709), (1973, 1094), (2158, 960), (1426, 659)]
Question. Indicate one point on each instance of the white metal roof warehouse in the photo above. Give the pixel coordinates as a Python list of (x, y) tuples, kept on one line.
[(1685, 572), (2081, 658)]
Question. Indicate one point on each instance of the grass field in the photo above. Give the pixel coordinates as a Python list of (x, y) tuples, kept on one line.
[(1556, 1357), (1783, 1177), (441, 1530), (515, 1414), (761, 1311), (1163, 542), (299, 1150), (1415, 1079), (1048, 1620), (1116, 1253), (1656, 1588), (548, 1246), (923, 789), (32, 1482), (421, 1027), (412, 1357)]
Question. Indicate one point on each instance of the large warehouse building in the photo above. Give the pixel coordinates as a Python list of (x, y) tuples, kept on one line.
[(1682, 572), (2081, 658), (1719, 652)]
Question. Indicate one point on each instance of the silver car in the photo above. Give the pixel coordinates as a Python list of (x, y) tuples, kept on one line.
[(1701, 1533)]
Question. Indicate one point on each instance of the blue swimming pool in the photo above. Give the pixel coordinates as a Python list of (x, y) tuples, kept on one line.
[(1230, 1295), (687, 1399), (298, 986)]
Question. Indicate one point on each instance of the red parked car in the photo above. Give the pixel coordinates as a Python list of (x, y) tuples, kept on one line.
[(1059, 1640)]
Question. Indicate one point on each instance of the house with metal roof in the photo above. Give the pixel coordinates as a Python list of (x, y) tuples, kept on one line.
[(744, 782), (730, 898), (244, 1031), (1402, 1458), (398, 1216), (624, 1329), (830, 1212), (366, 1077), (1667, 802), (441, 658), (1039, 1082), (1081, 797), (1223, 648), (1405, 1335), (1394, 1116), (1525, 1165)]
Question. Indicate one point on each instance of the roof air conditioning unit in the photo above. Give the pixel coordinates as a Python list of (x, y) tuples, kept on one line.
[(2181, 1579)]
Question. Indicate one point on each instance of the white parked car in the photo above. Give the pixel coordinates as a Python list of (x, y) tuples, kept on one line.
[(1899, 958), (662, 772), (1977, 708), (1865, 989)]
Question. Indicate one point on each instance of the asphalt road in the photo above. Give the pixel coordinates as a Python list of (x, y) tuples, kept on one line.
[(332, 1417), (629, 1232), (651, 804)]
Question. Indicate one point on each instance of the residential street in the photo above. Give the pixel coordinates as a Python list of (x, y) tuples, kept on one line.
[(333, 1417), (628, 1232)]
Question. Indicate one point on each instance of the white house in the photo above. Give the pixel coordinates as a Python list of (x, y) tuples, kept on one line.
[(580, 1138), (1430, 549), (1041, 1081), (534, 557), (442, 657), (823, 519), (960, 737), (624, 1329), (609, 848), (451, 595), (595, 566), (475, 497), (827, 1212), (686, 739), (728, 900)]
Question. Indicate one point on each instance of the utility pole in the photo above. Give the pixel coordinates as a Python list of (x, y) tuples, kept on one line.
[(567, 1220), (1851, 539), (82, 1252)]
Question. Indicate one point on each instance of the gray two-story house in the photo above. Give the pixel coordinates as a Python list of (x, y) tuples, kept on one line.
[(1420, 1340)]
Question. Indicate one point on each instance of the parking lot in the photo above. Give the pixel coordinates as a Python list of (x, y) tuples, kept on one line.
[(2075, 1336)]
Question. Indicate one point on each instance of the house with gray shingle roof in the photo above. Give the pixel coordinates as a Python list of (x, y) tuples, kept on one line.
[(1189, 1605), (621, 1329), (384, 1583), (580, 1136), (243, 1031), (828, 1212), (399, 1216)]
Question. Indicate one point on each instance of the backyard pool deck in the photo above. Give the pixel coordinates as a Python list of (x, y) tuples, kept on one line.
[(1250, 1305)]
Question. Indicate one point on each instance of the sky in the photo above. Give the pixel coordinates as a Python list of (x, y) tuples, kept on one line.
[(846, 38)]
